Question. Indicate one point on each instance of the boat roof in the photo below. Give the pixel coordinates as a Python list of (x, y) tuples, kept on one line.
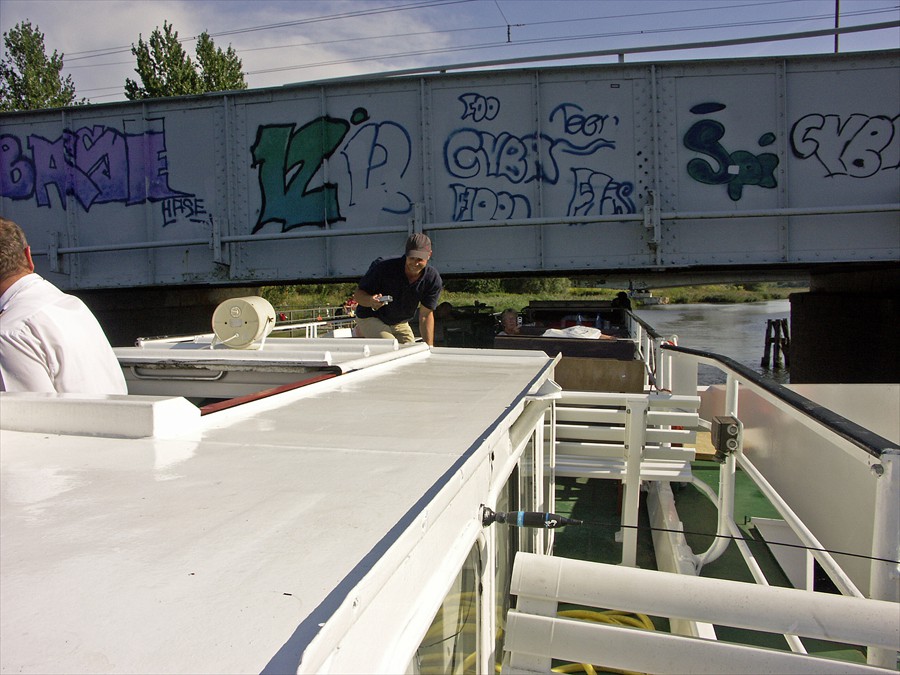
[(224, 542)]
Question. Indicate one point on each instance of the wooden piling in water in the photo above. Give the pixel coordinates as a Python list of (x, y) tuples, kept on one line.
[(777, 344)]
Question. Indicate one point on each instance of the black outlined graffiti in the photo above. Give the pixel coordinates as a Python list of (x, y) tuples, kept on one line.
[(735, 169), (479, 107), (184, 208), (287, 161), (859, 146), (377, 157), (575, 122)]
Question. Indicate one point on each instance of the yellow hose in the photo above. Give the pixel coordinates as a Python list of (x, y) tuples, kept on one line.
[(610, 616)]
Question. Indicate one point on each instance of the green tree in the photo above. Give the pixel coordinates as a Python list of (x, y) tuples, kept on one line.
[(219, 71), (166, 69), (29, 80)]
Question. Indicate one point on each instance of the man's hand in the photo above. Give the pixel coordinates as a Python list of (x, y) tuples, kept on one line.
[(373, 301)]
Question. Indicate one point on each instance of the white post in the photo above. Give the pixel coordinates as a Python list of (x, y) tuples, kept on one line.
[(635, 432), (884, 583)]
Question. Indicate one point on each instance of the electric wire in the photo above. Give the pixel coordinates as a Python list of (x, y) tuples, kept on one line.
[(88, 54)]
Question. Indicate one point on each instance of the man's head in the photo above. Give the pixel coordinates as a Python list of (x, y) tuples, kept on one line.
[(15, 255), (418, 246), (418, 252)]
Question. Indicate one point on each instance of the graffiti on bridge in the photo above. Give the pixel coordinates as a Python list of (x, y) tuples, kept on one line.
[(473, 204), (377, 157), (184, 208), (485, 157), (479, 107), (93, 165), (735, 169), (858, 146)]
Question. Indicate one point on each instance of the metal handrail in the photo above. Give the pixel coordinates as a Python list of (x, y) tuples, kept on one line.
[(865, 439), (875, 453)]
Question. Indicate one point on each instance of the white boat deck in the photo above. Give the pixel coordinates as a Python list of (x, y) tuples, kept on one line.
[(227, 545)]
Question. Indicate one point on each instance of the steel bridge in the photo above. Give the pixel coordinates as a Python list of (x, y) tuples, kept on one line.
[(682, 170), (771, 164)]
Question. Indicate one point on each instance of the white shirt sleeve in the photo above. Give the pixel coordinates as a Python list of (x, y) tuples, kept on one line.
[(51, 341), (24, 365)]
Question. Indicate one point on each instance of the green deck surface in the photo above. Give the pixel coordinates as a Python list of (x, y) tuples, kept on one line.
[(596, 502)]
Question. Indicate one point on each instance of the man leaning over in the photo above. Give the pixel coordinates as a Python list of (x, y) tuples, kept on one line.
[(392, 289)]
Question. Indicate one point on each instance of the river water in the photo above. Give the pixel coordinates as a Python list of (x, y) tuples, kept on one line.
[(737, 331)]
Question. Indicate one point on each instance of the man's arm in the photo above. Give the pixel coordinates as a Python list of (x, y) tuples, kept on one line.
[(426, 325), (367, 299), (23, 366)]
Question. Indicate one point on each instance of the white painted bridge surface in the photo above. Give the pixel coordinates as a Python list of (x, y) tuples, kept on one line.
[(724, 164)]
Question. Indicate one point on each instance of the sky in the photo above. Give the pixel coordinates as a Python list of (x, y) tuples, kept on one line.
[(288, 41)]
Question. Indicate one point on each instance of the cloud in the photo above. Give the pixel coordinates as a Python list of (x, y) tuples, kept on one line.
[(320, 39), (280, 53)]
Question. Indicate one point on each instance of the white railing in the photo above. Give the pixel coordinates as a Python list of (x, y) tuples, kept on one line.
[(536, 631), (312, 322), (835, 483)]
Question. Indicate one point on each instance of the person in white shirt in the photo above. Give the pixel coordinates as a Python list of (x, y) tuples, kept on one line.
[(49, 341)]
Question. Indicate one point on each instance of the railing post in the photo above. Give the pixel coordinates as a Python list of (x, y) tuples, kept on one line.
[(635, 433), (884, 582)]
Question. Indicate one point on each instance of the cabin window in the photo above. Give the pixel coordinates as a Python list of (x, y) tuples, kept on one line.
[(507, 543), (450, 644)]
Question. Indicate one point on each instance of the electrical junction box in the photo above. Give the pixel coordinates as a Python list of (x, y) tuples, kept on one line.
[(725, 434)]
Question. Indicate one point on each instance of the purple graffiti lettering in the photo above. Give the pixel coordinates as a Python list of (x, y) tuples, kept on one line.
[(95, 165), (53, 168), (859, 147), (100, 153), (148, 177), (16, 170)]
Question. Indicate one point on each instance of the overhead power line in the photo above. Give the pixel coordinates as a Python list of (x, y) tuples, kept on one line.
[(502, 42)]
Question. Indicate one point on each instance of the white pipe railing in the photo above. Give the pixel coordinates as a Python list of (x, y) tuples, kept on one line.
[(869, 452)]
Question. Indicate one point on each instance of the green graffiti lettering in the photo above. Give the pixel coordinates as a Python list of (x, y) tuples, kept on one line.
[(287, 161), (734, 169)]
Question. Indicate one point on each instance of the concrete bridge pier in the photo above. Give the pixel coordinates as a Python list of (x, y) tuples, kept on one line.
[(845, 329)]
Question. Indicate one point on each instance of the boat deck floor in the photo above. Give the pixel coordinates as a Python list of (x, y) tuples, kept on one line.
[(597, 503)]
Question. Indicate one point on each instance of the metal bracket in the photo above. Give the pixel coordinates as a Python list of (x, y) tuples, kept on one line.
[(53, 253)]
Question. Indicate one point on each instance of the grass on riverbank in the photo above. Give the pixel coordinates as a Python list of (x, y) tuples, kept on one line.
[(334, 295)]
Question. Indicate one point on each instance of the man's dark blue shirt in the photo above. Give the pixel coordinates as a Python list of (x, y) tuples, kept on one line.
[(388, 277)]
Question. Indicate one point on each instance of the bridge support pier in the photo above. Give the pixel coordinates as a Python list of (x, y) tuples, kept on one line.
[(127, 314), (844, 330)]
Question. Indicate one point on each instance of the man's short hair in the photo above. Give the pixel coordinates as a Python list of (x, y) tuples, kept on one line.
[(12, 249), (418, 246)]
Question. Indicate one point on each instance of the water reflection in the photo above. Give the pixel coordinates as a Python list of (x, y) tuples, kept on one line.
[(737, 331)]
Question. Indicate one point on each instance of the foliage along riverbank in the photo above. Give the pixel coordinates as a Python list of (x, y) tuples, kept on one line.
[(516, 294)]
